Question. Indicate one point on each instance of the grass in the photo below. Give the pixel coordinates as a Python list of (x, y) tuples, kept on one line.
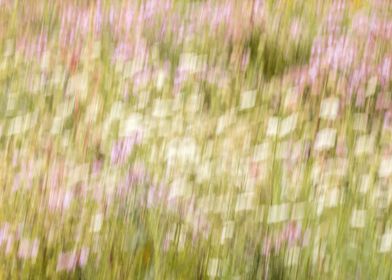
[(219, 121)]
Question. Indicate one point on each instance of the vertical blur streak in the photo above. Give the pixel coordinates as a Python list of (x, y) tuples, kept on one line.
[(173, 139)]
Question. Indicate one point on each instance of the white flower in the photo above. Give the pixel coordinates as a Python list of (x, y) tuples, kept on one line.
[(325, 139)]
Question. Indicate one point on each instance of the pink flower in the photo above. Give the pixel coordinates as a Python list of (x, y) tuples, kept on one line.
[(70, 260), (3, 235), (388, 120), (97, 166), (156, 195), (67, 261), (28, 249), (123, 148), (166, 244), (60, 200), (267, 246), (385, 71), (122, 52), (289, 235), (295, 29), (383, 102), (10, 241), (83, 256), (17, 182), (341, 148), (293, 233), (34, 248), (98, 18)]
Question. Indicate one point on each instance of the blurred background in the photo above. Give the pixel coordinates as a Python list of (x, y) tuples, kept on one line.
[(195, 139)]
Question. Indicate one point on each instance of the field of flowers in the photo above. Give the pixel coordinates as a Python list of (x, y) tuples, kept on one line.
[(196, 139)]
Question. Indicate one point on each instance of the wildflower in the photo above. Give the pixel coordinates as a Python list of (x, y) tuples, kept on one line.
[(388, 120), (67, 261), (4, 233), (28, 249), (267, 246), (97, 166), (83, 256), (60, 200), (9, 246), (295, 29), (122, 149)]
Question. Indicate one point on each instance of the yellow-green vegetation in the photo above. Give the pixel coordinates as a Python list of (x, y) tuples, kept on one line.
[(168, 139)]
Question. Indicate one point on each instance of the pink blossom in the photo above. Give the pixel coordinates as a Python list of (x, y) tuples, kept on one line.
[(295, 29), (28, 249), (10, 241), (122, 52), (267, 246), (388, 120), (97, 166), (60, 200), (383, 101), (4, 233), (156, 194), (67, 261), (83, 256), (289, 235), (123, 148)]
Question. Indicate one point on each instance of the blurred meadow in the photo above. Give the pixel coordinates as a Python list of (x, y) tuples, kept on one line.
[(196, 139)]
